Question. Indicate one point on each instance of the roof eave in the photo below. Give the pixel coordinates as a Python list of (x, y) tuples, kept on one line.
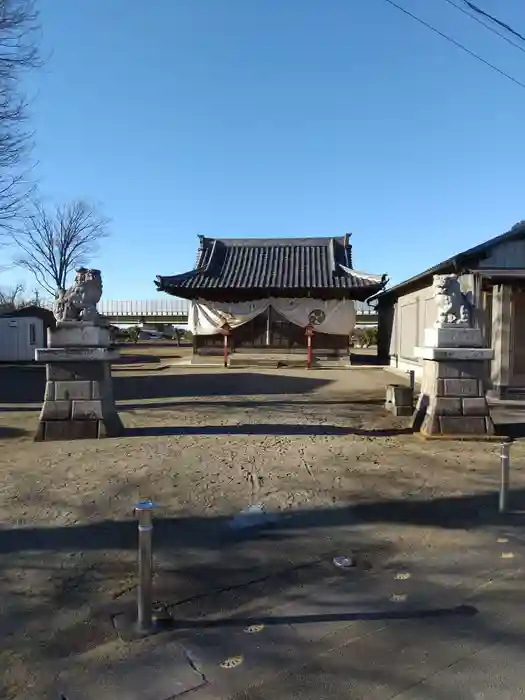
[(356, 293), (456, 263)]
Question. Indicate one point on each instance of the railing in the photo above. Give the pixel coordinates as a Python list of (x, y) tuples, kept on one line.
[(138, 307), (168, 306), (144, 307)]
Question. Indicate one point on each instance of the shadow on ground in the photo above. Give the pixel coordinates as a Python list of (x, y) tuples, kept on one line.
[(138, 359), (227, 384), (19, 385), (365, 359), (12, 432), (263, 429), (448, 512)]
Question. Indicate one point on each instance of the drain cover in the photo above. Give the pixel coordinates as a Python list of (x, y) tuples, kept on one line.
[(344, 562), (232, 662)]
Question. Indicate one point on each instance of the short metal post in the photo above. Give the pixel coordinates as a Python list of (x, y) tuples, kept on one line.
[(412, 378), (505, 477), (144, 511)]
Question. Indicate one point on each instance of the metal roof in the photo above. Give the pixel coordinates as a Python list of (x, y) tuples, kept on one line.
[(272, 265)]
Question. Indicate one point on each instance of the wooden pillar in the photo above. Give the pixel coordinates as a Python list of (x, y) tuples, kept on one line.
[(309, 332), (385, 327), (195, 328), (226, 330), (501, 370)]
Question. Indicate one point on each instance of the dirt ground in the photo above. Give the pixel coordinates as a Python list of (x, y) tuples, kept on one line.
[(204, 444)]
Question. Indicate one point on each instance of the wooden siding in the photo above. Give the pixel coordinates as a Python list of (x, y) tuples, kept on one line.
[(284, 336), (413, 313), (408, 328), (509, 254), (518, 337)]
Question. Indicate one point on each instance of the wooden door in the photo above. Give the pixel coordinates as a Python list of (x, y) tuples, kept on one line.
[(518, 338), (251, 335)]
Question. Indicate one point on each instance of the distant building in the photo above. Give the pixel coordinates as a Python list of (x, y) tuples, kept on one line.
[(22, 331), (269, 290), (494, 272)]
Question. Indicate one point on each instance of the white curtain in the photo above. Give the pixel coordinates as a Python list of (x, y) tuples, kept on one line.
[(206, 318), (335, 317)]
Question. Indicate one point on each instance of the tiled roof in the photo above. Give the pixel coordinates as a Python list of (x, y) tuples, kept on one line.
[(284, 265)]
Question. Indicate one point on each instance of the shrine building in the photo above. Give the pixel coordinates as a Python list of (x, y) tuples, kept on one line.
[(268, 294)]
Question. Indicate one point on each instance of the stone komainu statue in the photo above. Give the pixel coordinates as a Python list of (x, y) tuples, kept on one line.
[(79, 302), (453, 307)]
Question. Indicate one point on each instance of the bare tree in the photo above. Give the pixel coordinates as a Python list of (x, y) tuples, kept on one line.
[(53, 243), (12, 298), (18, 53)]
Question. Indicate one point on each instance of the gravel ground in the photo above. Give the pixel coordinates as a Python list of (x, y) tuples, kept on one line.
[(205, 444)]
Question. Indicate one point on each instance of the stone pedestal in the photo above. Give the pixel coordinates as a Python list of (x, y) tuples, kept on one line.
[(399, 400), (452, 400), (78, 401)]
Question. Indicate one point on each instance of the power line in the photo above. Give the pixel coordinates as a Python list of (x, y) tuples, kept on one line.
[(477, 9), (456, 43), (487, 26)]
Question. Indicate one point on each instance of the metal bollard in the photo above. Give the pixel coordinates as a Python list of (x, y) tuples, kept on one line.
[(412, 378), (144, 511), (505, 477)]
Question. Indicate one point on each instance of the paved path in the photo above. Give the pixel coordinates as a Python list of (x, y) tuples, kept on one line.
[(410, 627)]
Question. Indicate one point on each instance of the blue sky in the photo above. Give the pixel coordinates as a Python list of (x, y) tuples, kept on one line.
[(278, 118)]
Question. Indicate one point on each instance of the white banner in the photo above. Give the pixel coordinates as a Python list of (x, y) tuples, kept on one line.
[(334, 317)]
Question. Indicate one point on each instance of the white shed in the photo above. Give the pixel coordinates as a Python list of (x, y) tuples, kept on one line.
[(19, 336)]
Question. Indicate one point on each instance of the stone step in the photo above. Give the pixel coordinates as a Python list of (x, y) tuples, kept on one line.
[(268, 361)]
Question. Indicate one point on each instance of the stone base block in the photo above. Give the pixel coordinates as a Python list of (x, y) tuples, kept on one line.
[(78, 429), (399, 410), (81, 334), (78, 400), (446, 354), (399, 399), (76, 354), (434, 425), (475, 407), (453, 337), (399, 395)]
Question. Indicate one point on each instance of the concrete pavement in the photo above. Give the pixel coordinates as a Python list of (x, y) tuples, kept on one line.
[(414, 627)]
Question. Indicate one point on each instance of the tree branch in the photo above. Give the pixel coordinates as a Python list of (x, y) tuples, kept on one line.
[(52, 244)]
